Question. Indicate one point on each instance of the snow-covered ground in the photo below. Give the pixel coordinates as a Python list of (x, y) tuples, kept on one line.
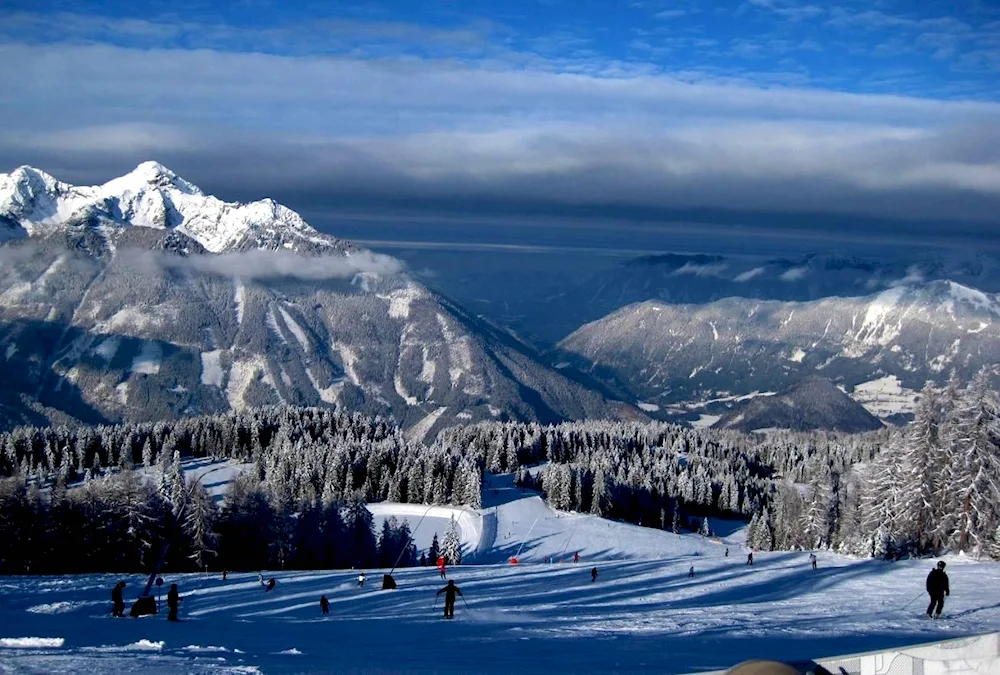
[(643, 614)]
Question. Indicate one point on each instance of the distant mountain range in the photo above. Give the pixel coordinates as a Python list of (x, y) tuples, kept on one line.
[(144, 299), (673, 353)]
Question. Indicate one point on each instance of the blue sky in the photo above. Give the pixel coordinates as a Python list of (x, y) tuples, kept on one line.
[(644, 110)]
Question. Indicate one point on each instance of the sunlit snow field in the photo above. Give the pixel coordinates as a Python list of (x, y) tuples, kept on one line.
[(644, 613)]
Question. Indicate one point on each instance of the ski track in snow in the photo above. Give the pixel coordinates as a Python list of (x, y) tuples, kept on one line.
[(643, 614)]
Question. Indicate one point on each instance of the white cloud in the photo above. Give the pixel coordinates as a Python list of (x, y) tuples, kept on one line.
[(271, 264), (795, 274)]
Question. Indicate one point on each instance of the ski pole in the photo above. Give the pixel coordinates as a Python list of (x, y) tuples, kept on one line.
[(911, 601), (465, 602)]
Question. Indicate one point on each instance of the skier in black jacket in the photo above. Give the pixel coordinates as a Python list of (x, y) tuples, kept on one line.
[(449, 598), (116, 598), (937, 588)]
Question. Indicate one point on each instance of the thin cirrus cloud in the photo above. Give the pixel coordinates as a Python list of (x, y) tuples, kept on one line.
[(470, 119)]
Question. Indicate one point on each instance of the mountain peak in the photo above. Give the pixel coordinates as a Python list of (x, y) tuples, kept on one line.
[(150, 174)]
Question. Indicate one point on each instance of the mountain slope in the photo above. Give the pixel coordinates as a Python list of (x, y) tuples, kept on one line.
[(674, 353), (813, 403), (113, 308)]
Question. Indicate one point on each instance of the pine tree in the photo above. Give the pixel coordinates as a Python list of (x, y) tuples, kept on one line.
[(199, 523), (814, 525), (976, 480), (451, 547), (434, 552)]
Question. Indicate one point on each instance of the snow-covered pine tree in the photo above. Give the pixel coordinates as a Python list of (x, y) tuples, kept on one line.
[(920, 465), (451, 547), (705, 530), (814, 525), (977, 475), (199, 523)]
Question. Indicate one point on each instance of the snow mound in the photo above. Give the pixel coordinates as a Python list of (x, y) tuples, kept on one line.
[(52, 608)]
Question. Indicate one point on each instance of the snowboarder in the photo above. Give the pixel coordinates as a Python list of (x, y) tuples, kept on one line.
[(270, 585), (449, 598), (937, 588), (324, 605), (440, 565), (576, 557), (691, 571), (116, 598), (361, 580), (812, 559), (173, 600), (593, 574), (750, 558)]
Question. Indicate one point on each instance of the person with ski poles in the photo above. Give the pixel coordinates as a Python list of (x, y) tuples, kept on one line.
[(361, 580), (937, 588), (449, 598)]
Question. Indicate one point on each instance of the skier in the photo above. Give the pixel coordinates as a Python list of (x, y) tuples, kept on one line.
[(812, 559), (691, 571), (116, 598), (324, 605), (270, 585), (260, 578), (593, 574), (361, 580), (937, 588), (173, 600), (750, 558), (576, 557), (440, 565), (224, 573), (449, 598), (727, 552)]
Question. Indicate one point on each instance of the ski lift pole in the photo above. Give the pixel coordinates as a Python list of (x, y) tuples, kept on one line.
[(517, 555), (412, 534)]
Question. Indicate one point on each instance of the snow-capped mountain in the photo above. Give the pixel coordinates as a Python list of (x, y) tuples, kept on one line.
[(914, 332), (144, 298), (564, 294), (33, 203)]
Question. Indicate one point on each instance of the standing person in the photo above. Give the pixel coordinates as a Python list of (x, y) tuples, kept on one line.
[(173, 600), (576, 557), (260, 578), (449, 598), (593, 574), (324, 605), (223, 575), (937, 588), (691, 571), (750, 558), (812, 559), (440, 566), (727, 552), (116, 598), (361, 580)]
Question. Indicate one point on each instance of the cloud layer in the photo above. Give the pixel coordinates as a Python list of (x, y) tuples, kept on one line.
[(513, 132)]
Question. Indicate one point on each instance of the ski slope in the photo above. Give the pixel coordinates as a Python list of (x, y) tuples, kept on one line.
[(643, 614)]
